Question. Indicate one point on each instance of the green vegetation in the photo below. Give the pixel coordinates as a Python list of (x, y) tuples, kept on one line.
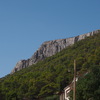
[(89, 87), (44, 80)]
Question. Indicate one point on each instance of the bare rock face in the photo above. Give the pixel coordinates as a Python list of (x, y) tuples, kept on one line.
[(50, 48), (21, 64)]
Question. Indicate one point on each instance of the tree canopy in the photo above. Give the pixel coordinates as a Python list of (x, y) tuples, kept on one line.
[(42, 81)]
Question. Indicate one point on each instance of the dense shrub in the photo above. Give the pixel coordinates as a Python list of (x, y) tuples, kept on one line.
[(50, 76)]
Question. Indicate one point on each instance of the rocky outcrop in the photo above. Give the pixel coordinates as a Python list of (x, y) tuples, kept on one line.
[(50, 48)]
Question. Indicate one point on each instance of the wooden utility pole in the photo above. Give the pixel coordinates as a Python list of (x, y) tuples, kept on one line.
[(74, 84)]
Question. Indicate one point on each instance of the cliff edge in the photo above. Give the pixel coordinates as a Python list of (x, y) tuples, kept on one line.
[(50, 48)]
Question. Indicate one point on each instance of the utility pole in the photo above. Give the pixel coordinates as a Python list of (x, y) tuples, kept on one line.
[(74, 84)]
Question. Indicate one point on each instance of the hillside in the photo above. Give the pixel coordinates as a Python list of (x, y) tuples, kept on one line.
[(45, 79)]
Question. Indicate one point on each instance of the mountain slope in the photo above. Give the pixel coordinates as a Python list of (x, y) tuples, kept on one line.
[(88, 88), (50, 48), (48, 77)]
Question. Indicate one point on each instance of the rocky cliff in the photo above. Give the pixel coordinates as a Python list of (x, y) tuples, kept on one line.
[(50, 48)]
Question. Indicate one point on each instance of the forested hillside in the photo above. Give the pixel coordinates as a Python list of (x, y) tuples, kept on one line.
[(44, 80)]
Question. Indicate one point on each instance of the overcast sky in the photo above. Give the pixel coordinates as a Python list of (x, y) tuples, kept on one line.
[(26, 24)]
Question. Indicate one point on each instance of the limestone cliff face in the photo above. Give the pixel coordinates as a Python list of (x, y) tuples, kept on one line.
[(50, 48)]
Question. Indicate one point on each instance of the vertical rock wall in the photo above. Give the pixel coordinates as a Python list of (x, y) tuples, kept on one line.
[(50, 48)]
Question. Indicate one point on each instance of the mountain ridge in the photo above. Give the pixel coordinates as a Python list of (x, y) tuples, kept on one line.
[(49, 48), (47, 78)]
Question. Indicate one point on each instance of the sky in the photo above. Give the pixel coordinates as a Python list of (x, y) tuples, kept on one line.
[(26, 24)]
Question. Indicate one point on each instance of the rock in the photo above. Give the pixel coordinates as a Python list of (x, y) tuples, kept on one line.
[(49, 48), (20, 65)]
